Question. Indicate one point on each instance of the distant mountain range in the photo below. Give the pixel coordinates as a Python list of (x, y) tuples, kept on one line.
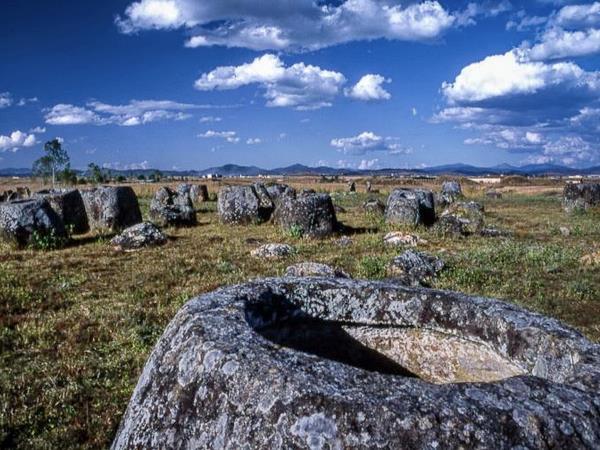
[(234, 170)]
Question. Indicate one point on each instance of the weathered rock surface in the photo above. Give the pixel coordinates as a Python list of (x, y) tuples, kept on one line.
[(273, 251), (197, 193), (173, 208), (579, 197), (493, 194), (334, 363), (494, 232), (277, 191), (451, 192), (20, 193), (413, 268), (351, 186), (21, 219), (311, 213), (410, 207), (470, 215), (314, 269), (451, 225), (374, 206), (399, 239), (68, 204), (144, 234), (243, 205), (111, 208)]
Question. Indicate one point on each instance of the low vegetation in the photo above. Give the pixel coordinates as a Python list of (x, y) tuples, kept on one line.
[(76, 325)]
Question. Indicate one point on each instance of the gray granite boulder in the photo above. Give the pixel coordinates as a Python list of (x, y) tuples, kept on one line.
[(334, 363), (111, 208), (278, 191), (21, 221), (68, 204), (273, 251), (311, 213), (413, 268), (451, 225), (452, 188), (314, 269), (451, 192), (579, 197), (243, 205), (144, 234), (171, 208), (470, 215), (410, 207), (197, 193)]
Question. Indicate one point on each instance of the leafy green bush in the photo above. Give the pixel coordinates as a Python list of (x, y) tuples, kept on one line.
[(47, 241), (296, 231), (372, 267)]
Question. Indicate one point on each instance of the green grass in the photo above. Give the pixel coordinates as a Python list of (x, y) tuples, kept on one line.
[(76, 325)]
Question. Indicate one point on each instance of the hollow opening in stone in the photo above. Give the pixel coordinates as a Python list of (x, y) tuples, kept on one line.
[(433, 356)]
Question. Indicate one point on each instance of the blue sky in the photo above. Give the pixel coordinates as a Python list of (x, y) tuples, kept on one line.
[(190, 84)]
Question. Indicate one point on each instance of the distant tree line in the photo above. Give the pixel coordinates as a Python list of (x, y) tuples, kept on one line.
[(55, 166)]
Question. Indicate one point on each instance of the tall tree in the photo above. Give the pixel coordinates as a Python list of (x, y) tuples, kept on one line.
[(42, 167), (95, 173), (55, 160)]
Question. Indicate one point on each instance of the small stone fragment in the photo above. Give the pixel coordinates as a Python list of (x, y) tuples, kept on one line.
[(314, 269), (415, 268), (144, 234), (273, 251), (398, 239)]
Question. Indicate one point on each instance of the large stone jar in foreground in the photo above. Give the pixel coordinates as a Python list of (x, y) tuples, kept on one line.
[(333, 363), (21, 221), (111, 208), (311, 213), (579, 197), (410, 207)]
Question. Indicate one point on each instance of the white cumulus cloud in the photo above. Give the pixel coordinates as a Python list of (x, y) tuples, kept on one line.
[(513, 74), (229, 136), (136, 112), (5, 100), (144, 165), (300, 24), (299, 86), (16, 140), (557, 43), (367, 164), (369, 87), (366, 142)]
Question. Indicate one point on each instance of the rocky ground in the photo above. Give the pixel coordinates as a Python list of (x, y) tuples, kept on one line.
[(77, 325)]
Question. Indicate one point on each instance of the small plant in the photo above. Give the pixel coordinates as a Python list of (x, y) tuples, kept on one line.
[(296, 231), (226, 267), (47, 241), (372, 267)]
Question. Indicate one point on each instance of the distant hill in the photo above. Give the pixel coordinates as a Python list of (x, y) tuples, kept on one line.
[(234, 170), (11, 172)]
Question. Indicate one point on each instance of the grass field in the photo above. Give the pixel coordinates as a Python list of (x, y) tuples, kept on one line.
[(76, 325)]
